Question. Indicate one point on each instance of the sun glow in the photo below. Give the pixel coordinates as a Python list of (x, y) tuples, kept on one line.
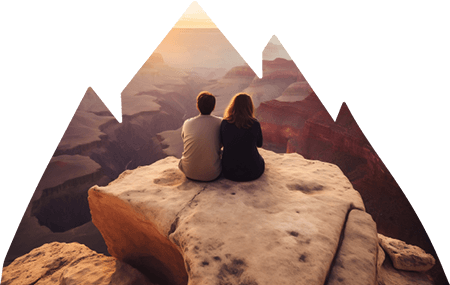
[(194, 18)]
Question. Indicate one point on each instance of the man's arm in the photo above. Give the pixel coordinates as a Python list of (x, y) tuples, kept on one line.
[(182, 131)]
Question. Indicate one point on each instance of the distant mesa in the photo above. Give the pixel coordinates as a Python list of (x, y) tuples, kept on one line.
[(277, 76), (240, 71), (279, 68), (280, 62), (273, 51), (155, 58), (278, 73), (297, 91)]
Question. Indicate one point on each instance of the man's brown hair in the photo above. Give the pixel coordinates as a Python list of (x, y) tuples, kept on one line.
[(206, 102)]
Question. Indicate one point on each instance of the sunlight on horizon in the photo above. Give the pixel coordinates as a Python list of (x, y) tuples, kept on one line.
[(195, 18)]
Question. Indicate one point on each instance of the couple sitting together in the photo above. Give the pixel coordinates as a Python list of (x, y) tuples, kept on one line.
[(239, 133)]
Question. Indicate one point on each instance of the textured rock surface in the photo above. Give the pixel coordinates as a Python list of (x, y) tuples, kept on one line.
[(380, 259), (69, 264), (405, 256), (283, 228), (356, 261), (306, 127), (388, 275)]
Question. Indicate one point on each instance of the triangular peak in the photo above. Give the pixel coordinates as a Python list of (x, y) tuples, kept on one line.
[(92, 103), (274, 49), (345, 119), (196, 43), (274, 40), (84, 130), (194, 18)]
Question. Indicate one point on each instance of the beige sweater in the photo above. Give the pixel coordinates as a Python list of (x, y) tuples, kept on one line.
[(201, 155)]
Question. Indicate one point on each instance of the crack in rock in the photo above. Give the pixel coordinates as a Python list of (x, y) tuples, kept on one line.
[(174, 225)]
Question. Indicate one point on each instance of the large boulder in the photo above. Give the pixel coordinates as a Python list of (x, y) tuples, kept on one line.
[(70, 264), (283, 228), (405, 256)]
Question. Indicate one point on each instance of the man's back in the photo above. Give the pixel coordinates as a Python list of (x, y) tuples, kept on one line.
[(201, 155)]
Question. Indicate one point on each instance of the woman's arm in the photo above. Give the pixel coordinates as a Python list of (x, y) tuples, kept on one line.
[(259, 139)]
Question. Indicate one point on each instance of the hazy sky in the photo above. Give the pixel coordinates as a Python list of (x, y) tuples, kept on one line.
[(196, 18)]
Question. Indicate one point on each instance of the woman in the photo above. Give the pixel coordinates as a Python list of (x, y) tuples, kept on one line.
[(240, 135)]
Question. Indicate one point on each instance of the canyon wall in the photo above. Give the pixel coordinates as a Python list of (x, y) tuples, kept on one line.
[(95, 149)]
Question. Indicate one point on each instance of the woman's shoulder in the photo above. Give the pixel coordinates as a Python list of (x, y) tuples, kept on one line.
[(224, 123)]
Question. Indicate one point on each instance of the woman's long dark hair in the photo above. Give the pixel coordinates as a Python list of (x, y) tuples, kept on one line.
[(240, 111)]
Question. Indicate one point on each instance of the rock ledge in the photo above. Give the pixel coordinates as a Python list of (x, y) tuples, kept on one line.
[(283, 228), (70, 264)]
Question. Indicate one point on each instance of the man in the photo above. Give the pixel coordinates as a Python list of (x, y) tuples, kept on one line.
[(201, 156)]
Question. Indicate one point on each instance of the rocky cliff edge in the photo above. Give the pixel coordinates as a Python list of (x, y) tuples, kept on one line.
[(283, 228), (300, 223)]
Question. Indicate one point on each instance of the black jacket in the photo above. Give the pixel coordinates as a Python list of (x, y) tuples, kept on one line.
[(241, 160)]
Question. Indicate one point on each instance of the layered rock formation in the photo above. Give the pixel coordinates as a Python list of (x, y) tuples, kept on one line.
[(283, 123), (300, 223), (272, 51), (278, 74), (297, 91), (281, 81), (59, 201), (305, 127), (95, 149), (70, 264), (58, 210), (84, 131), (235, 80)]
